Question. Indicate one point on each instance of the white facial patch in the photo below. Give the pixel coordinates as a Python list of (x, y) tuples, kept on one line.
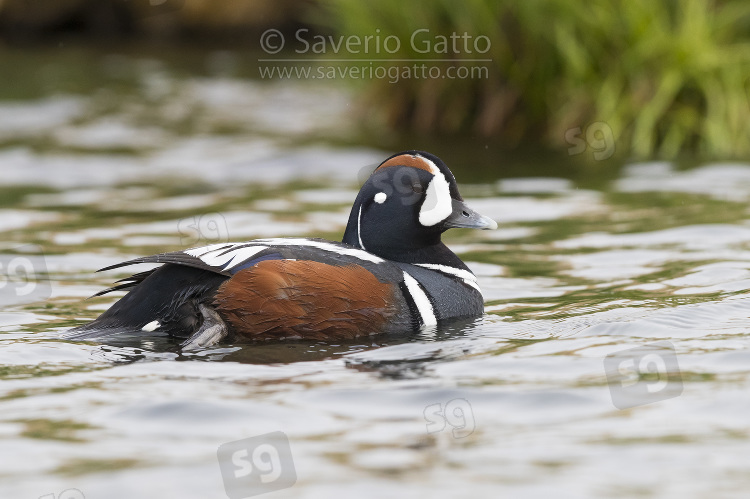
[(380, 197), (437, 205)]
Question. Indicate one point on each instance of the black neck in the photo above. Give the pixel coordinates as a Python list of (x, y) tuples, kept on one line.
[(422, 247), (350, 234), (436, 253)]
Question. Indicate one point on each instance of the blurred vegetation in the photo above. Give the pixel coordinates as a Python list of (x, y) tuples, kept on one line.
[(667, 77), (34, 20)]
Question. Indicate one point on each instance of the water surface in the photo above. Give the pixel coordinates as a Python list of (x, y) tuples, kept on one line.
[(95, 172)]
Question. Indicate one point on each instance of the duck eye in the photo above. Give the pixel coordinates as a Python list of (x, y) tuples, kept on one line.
[(417, 188)]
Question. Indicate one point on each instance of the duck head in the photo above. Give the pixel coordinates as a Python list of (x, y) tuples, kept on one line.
[(404, 207)]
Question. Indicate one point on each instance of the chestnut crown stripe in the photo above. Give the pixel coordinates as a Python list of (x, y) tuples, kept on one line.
[(414, 161)]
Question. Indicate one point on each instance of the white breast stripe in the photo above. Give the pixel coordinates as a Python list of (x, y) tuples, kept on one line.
[(359, 232), (421, 300), (354, 252), (465, 275), (474, 285)]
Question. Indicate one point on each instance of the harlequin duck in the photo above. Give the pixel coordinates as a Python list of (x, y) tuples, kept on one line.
[(391, 273)]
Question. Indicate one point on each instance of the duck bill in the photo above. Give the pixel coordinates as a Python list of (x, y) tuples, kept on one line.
[(463, 217)]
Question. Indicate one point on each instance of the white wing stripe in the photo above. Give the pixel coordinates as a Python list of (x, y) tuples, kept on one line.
[(216, 258), (223, 257), (196, 252), (333, 248), (218, 255)]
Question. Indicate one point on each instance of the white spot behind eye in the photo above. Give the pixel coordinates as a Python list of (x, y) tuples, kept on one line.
[(380, 197)]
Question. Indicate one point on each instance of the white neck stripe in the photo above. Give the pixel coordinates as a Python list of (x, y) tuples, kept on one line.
[(359, 230)]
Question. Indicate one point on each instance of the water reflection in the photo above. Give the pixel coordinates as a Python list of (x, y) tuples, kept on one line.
[(123, 349)]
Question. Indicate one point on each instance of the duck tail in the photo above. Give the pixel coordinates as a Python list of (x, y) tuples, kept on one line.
[(164, 300)]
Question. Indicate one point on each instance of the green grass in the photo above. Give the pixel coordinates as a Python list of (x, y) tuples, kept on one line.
[(668, 78)]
